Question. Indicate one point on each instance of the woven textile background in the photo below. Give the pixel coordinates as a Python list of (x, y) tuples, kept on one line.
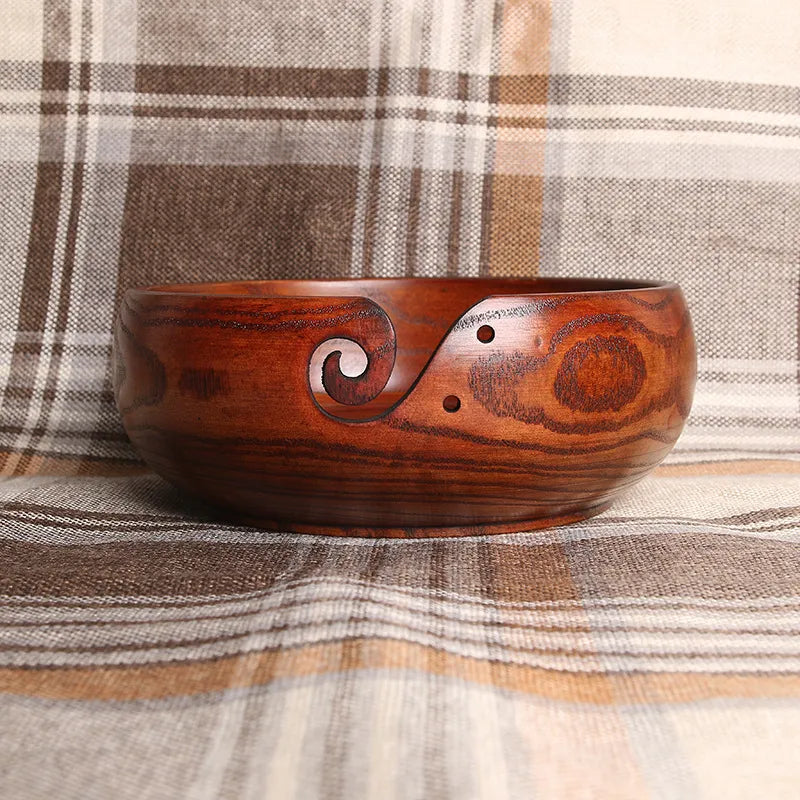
[(147, 651)]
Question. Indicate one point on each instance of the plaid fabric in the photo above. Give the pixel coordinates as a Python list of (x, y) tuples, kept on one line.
[(148, 652)]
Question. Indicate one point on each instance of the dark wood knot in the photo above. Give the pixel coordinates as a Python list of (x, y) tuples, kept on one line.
[(603, 373)]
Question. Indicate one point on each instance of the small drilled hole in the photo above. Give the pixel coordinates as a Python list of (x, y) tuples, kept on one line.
[(485, 333), (451, 403)]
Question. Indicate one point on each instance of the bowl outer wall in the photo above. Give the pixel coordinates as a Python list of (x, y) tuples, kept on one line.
[(577, 396)]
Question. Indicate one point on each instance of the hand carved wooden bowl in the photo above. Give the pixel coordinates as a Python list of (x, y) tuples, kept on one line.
[(405, 407)]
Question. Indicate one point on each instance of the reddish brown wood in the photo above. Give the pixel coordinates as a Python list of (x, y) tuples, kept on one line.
[(484, 406)]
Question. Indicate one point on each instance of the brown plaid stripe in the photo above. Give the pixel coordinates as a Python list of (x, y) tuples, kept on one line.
[(638, 642), (148, 650), (453, 147)]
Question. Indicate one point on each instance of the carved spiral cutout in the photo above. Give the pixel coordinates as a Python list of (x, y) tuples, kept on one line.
[(354, 360), (351, 390), (349, 373), (603, 373)]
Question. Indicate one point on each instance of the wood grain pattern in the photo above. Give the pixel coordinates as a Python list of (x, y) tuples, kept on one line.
[(405, 407)]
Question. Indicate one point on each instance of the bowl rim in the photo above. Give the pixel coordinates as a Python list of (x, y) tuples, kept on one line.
[(495, 286)]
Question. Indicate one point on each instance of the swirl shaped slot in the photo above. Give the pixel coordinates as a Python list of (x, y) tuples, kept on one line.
[(349, 372)]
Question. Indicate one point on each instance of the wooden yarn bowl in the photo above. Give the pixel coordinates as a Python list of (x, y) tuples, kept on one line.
[(405, 407)]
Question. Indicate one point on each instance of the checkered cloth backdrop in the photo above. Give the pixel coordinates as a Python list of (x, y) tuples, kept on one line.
[(149, 652)]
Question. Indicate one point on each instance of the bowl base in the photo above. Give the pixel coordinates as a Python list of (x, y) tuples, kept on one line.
[(426, 532)]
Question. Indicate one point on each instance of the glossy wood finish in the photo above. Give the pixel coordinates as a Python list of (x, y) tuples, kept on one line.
[(481, 405)]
